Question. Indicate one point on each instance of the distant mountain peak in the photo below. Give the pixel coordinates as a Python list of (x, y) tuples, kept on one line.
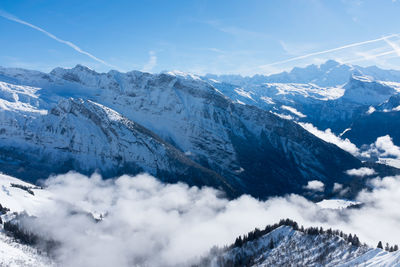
[(83, 68)]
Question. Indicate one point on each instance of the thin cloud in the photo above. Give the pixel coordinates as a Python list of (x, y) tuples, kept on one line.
[(330, 50), (52, 36), (151, 63)]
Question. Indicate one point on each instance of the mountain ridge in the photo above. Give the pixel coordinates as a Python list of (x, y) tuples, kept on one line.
[(227, 138)]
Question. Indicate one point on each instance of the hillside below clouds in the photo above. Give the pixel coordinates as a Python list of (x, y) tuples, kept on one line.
[(176, 126)]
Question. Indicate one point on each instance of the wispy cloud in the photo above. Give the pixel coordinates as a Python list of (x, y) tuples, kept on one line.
[(384, 38), (68, 43), (151, 63), (235, 31), (296, 48)]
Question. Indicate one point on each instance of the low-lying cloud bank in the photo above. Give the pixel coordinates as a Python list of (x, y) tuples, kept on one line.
[(330, 137), (149, 223), (383, 150)]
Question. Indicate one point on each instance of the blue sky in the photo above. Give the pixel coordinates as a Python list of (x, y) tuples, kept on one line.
[(199, 36)]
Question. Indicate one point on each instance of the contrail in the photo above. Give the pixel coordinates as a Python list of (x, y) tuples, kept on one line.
[(393, 45), (395, 50), (384, 38), (369, 57), (70, 44)]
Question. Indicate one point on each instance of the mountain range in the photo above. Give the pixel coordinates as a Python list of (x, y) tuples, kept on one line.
[(182, 127), (331, 95), (252, 136)]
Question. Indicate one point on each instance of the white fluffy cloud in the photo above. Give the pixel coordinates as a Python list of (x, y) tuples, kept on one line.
[(154, 224), (315, 185), (361, 172), (386, 145), (382, 147), (384, 151), (337, 187), (330, 137)]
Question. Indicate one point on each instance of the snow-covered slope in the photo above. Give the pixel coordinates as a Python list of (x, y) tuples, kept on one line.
[(19, 200), (366, 91), (13, 254), (286, 246)]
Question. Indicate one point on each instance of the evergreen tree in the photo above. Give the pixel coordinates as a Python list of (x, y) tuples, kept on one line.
[(355, 241), (387, 247), (238, 242), (380, 245), (271, 244), (350, 238), (395, 248)]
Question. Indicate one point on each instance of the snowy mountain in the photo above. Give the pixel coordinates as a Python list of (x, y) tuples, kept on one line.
[(173, 125), (331, 95), (286, 245), (329, 74), (17, 199), (82, 135)]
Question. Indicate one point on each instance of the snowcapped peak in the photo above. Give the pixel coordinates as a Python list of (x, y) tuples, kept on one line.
[(83, 68), (78, 67), (329, 64), (182, 74), (366, 90)]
